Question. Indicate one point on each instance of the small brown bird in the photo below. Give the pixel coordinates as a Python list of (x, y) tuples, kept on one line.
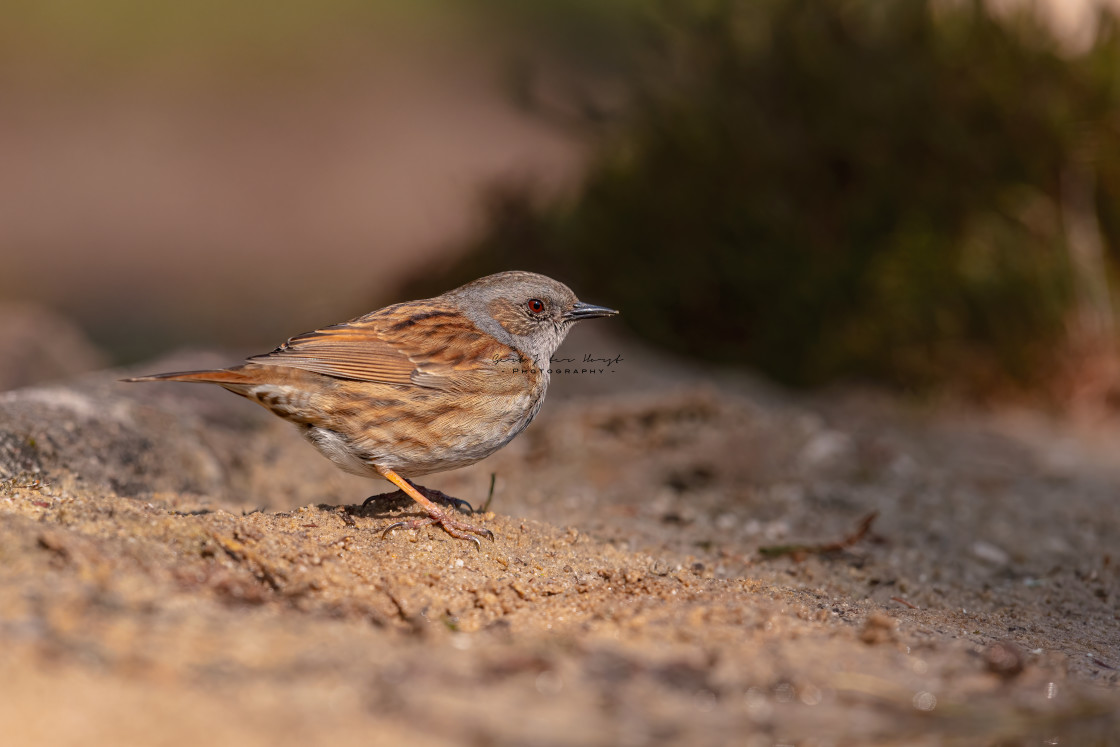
[(417, 387)]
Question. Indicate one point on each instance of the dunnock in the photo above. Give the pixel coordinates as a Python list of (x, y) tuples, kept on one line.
[(417, 387)]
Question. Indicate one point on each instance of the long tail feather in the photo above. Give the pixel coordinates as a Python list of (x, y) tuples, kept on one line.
[(218, 376)]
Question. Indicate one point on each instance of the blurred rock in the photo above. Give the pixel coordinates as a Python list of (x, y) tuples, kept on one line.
[(145, 439), (1004, 659), (879, 628), (41, 345)]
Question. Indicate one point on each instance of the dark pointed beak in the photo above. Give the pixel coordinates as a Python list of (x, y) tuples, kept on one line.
[(586, 311)]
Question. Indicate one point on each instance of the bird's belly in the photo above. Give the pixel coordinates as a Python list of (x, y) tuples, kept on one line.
[(338, 449), (461, 438), (435, 436)]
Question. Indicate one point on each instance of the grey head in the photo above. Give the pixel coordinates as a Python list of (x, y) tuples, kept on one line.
[(530, 312)]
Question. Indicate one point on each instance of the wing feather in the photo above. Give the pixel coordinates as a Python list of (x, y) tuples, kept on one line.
[(422, 343)]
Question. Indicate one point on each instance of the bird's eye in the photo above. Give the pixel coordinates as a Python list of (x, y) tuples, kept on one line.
[(536, 305)]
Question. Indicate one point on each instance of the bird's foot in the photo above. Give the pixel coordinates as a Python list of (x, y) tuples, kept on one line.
[(436, 515), (455, 527)]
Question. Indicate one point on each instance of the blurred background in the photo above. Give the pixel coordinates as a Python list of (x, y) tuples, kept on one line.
[(912, 194)]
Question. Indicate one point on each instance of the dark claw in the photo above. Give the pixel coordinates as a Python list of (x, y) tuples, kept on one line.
[(391, 527), (456, 503)]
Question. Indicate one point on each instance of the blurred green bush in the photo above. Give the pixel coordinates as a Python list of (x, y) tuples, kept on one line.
[(823, 189)]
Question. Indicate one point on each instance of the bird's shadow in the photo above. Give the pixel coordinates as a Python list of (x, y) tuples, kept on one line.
[(383, 505)]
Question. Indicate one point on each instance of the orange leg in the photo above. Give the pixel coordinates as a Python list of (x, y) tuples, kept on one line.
[(436, 515)]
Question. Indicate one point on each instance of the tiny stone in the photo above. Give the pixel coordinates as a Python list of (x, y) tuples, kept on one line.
[(990, 553)]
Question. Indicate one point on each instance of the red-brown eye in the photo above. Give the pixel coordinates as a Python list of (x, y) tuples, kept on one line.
[(536, 305)]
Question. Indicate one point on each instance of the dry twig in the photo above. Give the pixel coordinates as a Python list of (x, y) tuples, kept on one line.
[(799, 552)]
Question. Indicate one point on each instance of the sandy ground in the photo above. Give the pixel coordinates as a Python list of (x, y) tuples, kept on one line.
[(677, 560)]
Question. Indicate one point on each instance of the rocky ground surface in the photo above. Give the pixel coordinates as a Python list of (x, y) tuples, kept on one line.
[(679, 558)]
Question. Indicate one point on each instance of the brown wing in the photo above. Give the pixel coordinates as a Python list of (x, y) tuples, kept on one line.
[(419, 344)]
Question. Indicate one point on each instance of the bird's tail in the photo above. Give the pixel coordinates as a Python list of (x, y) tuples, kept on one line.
[(217, 376)]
